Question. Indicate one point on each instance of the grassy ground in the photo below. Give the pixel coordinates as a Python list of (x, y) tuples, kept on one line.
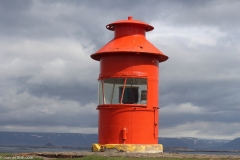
[(7, 156)]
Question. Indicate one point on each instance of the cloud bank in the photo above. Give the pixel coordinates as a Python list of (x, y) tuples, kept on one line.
[(48, 82)]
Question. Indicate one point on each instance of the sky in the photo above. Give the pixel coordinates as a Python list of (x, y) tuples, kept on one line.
[(48, 82)]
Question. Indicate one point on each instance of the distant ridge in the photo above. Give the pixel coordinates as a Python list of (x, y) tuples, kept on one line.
[(48, 145), (85, 140), (172, 142), (41, 139), (232, 145), (191, 143)]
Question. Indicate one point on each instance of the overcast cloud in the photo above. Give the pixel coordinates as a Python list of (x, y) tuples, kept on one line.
[(48, 82)]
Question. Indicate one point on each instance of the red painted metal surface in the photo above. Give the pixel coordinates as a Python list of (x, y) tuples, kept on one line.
[(129, 55)]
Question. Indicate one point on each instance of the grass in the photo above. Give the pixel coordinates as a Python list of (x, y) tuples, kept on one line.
[(8, 156), (5, 154)]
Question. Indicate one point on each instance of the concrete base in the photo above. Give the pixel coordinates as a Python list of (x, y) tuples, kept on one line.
[(129, 148)]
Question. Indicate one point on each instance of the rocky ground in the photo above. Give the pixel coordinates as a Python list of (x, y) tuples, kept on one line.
[(49, 155)]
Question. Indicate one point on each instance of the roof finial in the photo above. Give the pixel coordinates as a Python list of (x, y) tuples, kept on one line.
[(130, 17)]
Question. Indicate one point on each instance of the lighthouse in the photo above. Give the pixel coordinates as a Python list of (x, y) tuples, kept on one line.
[(128, 89)]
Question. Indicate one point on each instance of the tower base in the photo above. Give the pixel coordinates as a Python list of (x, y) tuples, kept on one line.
[(129, 148)]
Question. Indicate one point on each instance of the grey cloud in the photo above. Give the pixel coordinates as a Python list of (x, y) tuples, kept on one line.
[(76, 92), (54, 120), (215, 95), (172, 120), (25, 109), (221, 14), (44, 79), (40, 20)]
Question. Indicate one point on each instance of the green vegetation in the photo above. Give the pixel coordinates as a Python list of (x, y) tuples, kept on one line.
[(5, 154), (8, 156)]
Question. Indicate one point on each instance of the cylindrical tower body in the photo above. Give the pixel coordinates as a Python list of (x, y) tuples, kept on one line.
[(128, 85)]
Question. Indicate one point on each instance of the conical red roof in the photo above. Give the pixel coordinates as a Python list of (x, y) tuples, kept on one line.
[(129, 38)]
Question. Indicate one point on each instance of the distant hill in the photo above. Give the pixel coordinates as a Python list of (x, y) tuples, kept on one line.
[(191, 143), (48, 145), (86, 140), (232, 145), (41, 139), (172, 142)]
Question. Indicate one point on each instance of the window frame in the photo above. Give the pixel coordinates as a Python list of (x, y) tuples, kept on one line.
[(103, 94)]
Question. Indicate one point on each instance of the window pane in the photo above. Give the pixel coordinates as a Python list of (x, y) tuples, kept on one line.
[(111, 86), (130, 94), (137, 89), (100, 93), (112, 91)]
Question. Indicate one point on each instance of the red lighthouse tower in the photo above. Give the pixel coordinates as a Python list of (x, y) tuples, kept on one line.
[(128, 89)]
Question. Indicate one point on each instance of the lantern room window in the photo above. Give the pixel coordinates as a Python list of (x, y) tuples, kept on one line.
[(123, 91)]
